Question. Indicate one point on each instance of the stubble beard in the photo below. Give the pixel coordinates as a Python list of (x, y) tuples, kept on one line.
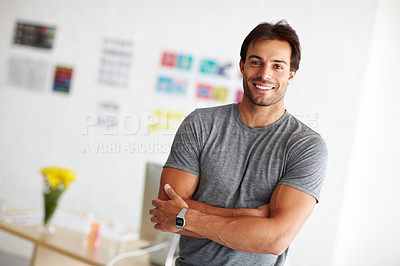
[(263, 102)]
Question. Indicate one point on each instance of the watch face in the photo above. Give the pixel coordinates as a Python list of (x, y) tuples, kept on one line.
[(179, 221)]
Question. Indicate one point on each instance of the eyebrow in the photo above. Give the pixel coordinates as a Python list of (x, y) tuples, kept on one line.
[(274, 60)]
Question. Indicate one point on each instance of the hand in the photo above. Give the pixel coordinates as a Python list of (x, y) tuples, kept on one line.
[(165, 212)]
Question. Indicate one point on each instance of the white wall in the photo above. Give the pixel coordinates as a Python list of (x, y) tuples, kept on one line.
[(369, 229), (44, 128)]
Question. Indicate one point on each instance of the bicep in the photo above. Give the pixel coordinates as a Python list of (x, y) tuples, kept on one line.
[(291, 208), (184, 183)]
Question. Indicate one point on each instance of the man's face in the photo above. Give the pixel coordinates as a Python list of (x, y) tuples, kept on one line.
[(266, 72)]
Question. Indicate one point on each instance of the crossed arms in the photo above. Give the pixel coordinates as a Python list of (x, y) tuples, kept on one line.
[(268, 229)]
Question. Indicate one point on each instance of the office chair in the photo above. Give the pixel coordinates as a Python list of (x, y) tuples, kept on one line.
[(164, 244)]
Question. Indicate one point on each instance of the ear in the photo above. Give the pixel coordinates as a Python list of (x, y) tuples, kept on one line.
[(241, 65), (291, 75)]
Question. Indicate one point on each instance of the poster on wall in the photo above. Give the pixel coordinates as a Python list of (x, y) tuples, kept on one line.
[(62, 79), (116, 62), (34, 35), (27, 73)]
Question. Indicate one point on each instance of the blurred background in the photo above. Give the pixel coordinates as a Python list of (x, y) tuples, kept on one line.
[(102, 88)]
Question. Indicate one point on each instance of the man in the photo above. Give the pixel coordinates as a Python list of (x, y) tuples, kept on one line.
[(242, 179)]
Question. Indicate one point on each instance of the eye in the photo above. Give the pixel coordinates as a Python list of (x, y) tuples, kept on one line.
[(279, 67), (255, 63)]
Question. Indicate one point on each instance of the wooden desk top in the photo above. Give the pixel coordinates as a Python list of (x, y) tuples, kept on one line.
[(72, 243)]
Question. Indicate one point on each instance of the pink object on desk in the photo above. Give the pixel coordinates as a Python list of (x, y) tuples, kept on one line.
[(94, 235)]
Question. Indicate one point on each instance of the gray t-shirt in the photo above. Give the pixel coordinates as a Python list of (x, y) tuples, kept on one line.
[(239, 167)]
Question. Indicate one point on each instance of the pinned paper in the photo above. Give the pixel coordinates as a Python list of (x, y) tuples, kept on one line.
[(116, 61), (220, 94), (39, 36), (62, 79), (204, 91), (28, 73), (171, 85), (108, 114)]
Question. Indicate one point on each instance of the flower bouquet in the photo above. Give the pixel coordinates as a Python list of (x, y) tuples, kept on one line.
[(56, 181)]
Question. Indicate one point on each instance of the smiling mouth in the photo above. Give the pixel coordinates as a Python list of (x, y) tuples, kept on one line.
[(264, 88)]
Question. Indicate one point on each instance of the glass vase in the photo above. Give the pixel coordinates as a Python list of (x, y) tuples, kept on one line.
[(51, 197)]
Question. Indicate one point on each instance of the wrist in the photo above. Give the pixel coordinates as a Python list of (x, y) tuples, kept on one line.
[(180, 220), (190, 218)]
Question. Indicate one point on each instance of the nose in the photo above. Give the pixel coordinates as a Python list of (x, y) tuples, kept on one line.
[(265, 72)]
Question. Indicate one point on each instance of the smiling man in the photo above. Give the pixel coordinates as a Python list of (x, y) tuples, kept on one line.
[(242, 179)]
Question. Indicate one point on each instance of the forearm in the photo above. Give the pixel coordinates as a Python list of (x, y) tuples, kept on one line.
[(223, 212), (245, 233), (262, 211)]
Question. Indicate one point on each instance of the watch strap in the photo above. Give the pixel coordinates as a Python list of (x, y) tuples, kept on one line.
[(180, 219)]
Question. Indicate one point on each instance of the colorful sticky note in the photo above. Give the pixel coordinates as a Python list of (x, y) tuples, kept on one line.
[(171, 85), (184, 62), (169, 59), (223, 69), (167, 120), (239, 95), (204, 91), (164, 84), (220, 94), (208, 66)]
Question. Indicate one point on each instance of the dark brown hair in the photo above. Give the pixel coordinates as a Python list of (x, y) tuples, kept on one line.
[(280, 31)]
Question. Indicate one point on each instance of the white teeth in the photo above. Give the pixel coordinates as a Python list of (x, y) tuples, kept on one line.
[(264, 88)]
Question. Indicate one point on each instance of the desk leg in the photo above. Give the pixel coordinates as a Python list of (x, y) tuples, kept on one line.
[(34, 255)]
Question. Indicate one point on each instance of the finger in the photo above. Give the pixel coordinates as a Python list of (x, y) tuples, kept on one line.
[(170, 192), (156, 203), (154, 212), (157, 226), (154, 219)]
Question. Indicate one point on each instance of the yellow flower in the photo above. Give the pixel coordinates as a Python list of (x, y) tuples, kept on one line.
[(58, 177)]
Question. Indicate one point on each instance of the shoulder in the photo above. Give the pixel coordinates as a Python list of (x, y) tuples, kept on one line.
[(300, 136), (202, 120), (306, 158)]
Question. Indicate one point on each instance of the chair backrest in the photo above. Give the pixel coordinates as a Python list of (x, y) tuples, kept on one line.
[(152, 183), (161, 255)]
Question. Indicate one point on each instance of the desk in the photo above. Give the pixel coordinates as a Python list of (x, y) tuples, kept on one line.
[(69, 247)]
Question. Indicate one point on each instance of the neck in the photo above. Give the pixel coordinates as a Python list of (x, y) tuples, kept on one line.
[(260, 116)]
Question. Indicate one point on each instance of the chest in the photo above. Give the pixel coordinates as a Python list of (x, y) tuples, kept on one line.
[(240, 169)]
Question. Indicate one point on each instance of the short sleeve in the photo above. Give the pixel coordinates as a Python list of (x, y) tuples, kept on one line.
[(306, 166), (186, 147)]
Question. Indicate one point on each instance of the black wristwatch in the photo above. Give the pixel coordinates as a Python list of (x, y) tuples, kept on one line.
[(180, 219)]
